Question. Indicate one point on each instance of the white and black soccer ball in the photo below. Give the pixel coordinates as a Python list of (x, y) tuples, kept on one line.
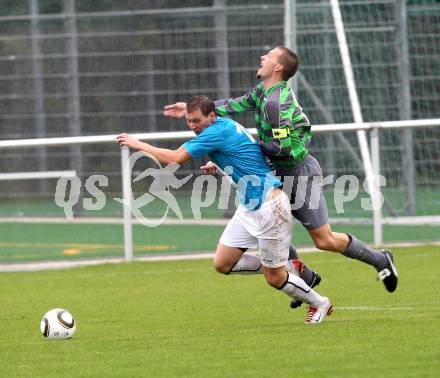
[(58, 324)]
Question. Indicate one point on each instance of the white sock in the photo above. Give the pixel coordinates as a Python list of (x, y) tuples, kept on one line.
[(296, 288), (291, 269), (251, 264), (248, 264)]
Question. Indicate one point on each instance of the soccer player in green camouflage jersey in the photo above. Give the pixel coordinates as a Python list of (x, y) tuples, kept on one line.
[(285, 134)]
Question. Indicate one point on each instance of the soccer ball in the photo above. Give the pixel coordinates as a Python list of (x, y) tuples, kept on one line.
[(58, 324)]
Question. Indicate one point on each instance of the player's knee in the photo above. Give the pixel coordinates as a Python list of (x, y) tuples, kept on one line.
[(326, 243), (221, 267), (321, 243)]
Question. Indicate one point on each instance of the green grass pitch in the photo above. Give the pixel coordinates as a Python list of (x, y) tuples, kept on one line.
[(173, 319)]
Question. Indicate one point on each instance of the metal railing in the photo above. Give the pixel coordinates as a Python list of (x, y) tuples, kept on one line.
[(373, 127)]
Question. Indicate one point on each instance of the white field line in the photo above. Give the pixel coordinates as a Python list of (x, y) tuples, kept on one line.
[(48, 265), (377, 308), (98, 220)]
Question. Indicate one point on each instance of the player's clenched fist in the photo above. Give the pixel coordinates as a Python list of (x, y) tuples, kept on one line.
[(209, 168)]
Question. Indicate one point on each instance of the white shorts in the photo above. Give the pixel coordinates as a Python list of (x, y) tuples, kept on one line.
[(269, 229)]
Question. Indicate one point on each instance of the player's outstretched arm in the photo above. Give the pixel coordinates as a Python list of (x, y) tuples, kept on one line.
[(164, 155), (229, 106), (176, 110)]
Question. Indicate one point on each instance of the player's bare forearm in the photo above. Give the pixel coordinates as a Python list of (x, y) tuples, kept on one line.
[(164, 155), (167, 156)]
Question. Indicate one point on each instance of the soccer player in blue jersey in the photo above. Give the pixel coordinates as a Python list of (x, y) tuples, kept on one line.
[(263, 218)]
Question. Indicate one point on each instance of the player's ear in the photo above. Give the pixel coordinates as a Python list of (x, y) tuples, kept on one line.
[(278, 67)]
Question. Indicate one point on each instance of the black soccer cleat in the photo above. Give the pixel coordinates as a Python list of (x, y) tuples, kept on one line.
[(388, 274), (316, 279)]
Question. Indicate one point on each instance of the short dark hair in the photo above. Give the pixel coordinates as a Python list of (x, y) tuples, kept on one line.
[(202, 103), (290, 62)]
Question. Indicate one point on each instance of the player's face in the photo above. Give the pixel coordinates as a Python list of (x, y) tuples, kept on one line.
[(268, 63), (197, 122)]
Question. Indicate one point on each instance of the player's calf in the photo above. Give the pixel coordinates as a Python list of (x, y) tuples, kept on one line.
[(275, 277)]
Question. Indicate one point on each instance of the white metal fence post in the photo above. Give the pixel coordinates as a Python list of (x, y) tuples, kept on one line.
[(356, 110), (127, 197), (375, 162), (290, 34)]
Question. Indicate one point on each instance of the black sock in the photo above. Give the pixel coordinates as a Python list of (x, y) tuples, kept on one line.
[(293, 254), (306, 273), (358, 250)]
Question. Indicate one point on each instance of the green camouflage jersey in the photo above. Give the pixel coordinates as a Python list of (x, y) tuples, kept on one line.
[(283, 128)]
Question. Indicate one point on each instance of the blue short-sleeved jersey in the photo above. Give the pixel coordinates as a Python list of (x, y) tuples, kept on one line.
[(231, 147)]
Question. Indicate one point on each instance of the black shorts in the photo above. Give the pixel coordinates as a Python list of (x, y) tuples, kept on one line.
[(303, 184)]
